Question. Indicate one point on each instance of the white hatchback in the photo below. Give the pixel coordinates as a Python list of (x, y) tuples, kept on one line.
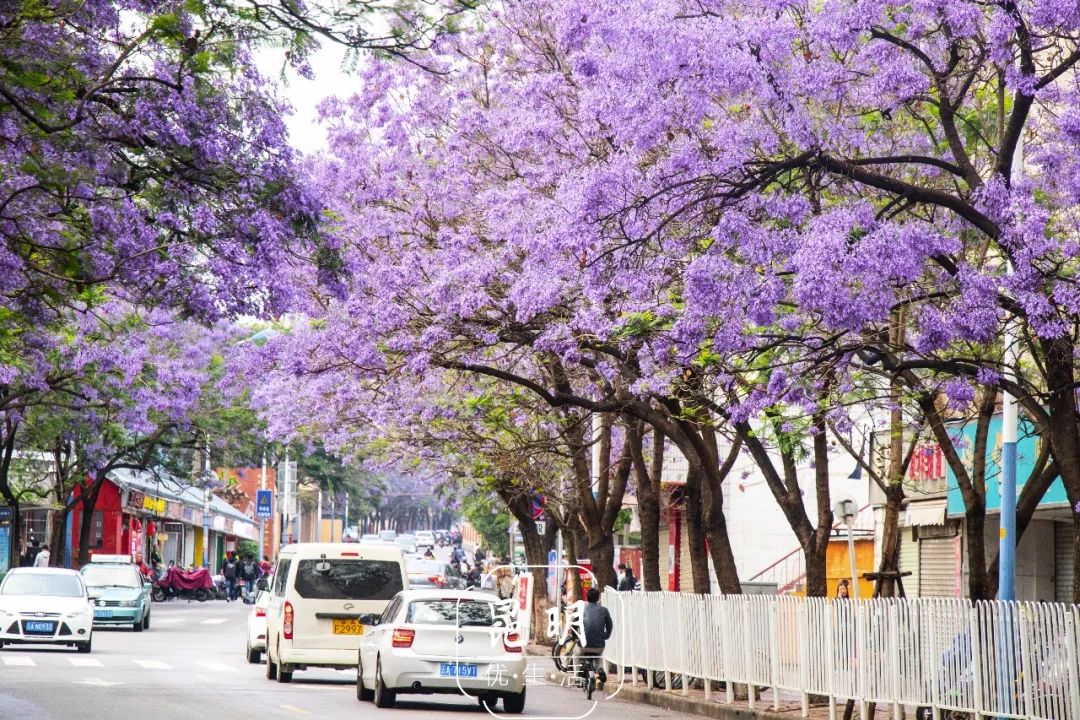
[(442, 641), (42, 605), (256, 627)]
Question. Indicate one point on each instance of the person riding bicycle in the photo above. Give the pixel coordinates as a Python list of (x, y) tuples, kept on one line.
[(597, 625)]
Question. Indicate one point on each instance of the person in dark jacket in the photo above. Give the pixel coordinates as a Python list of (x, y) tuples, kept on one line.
[(249, 572), (230, 571), (627, 581), (597, 625)]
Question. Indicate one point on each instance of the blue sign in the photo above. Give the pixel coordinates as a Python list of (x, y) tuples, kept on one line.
[(7, 514), (264, 504), (1027, 449)]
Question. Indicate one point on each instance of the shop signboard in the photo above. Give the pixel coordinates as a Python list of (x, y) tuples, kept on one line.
[(7, 518)]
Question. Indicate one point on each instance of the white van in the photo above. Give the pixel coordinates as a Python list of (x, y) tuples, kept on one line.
[(319, 593)]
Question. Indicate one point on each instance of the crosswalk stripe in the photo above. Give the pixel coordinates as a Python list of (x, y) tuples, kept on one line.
[(217, 667), (24, 661), (213, 621), (152, 665), (84, 662)]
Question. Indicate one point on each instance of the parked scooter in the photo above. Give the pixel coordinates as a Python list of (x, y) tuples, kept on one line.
[(177, 583)]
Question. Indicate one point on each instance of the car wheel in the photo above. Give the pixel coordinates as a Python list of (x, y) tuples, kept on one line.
[(86, 646), (488, 702), (137, 626), (271, 668), (146, 622), (363, 694), (253, 656), (283, 675), (514, 704), (384, 698)]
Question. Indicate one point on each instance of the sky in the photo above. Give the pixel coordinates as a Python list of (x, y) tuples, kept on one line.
[(305, 95)]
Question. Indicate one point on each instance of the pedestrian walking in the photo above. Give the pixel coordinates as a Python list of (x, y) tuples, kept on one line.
[(230, 571), (42, 559), (249, 573), (627, 581)]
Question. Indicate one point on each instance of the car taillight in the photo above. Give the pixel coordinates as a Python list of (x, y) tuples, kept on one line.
[(286, 625), (403, 637), (260, 612), (512, 642), (438, 580)]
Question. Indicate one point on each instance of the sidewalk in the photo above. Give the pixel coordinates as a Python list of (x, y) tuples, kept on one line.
[(694, 702)]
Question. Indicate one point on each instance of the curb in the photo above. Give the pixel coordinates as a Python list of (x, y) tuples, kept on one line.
[(675, 700)]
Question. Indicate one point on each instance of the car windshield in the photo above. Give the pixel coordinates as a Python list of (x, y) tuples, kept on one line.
[(348, 580), (47, 584), (102, 576), (451, 612), (425, 567)]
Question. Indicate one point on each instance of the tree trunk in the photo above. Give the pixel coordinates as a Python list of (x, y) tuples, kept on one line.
[(7, 452), (695, 535), (86, 524), (647, 484), (573, 578), (1064, 436), (890, 542), (56, 537)]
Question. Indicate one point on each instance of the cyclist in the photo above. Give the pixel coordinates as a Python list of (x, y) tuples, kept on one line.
[(597, 625)]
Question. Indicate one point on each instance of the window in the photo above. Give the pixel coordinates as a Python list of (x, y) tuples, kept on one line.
[(451, 612), (97, 529), (111, 576), (39, 583), (348, 580), (391, 611), (281, 574)]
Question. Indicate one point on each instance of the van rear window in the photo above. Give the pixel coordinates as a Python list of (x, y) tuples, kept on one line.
[(348, 579)]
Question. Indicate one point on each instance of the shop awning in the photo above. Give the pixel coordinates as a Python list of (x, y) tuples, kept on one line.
[(929, 512)]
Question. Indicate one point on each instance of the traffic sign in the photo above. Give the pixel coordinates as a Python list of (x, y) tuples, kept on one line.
[(541, 526), (264, 504)]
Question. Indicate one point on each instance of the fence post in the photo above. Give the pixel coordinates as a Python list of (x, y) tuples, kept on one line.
[(747, 655), (705, 626), (976, 657), (829, 612), (1072, 645), (1024, 625), (860, 654), (725, 624), (774, 651), (802, 616)]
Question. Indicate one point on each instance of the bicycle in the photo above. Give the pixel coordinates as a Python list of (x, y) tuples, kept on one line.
[(562, 652)]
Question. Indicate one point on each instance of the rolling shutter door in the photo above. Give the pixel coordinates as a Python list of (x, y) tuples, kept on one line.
[(909, 561), (686, 569), (937, 567), (1063, 560)]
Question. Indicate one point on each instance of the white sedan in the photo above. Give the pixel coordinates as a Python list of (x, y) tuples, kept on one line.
[(441, 641), (256, 626), (43, 605)]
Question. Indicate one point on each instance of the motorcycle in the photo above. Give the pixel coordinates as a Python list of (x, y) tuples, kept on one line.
[(194, 585)]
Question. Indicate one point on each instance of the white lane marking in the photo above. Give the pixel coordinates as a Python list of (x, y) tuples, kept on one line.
[(168, 621), (85, 662), (152, 665), (97, 682), (22, 661), (213, 621), (217, 667)]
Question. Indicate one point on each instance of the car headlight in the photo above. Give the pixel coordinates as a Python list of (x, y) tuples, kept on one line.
[(128, 603)]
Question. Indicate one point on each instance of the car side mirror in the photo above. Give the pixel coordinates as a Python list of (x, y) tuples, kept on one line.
[(261, 584), (93, 598), (147, 585), (370, 619)]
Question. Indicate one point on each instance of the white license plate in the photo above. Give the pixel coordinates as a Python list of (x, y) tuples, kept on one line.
[(465, 670)]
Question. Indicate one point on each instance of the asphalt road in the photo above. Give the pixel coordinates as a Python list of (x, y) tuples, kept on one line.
[(190, 664)]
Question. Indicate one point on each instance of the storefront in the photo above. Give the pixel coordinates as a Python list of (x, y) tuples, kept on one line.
[(152, 513)]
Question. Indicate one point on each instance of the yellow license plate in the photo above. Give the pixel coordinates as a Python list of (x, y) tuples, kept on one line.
[(347, 627)]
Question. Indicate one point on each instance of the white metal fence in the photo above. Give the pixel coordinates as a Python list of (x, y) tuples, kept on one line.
[(992, 659)]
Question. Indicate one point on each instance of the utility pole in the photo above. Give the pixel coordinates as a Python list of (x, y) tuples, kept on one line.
[(318, 520), (262, 522), (1010, 422)]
